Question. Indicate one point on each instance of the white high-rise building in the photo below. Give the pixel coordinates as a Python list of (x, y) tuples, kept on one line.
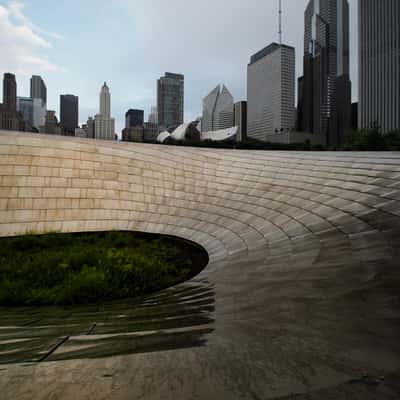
[(209, 103), (379, 64), (105, 101), (218, 110), (271, 92), (104, 125)]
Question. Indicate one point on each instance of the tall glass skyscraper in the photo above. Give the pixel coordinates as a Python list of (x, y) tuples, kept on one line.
[(325, 89), (25, 107), (10, 119), (38, 89), (170, 100), (379, 64), (9, 92), (69, 110), (134, 118)]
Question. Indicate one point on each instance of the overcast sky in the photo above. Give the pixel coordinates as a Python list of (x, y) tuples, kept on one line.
[(76, 45)]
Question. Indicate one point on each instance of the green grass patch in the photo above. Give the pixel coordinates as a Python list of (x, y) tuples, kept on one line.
[(63, 269)]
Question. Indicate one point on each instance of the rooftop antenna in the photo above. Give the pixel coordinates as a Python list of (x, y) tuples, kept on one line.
[(280, 22)]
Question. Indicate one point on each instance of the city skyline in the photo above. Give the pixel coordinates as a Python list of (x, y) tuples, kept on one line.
[(135, 87)]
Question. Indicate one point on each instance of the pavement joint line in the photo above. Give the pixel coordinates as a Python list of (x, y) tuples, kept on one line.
[(32, 322), (53, 349), (92, 328)]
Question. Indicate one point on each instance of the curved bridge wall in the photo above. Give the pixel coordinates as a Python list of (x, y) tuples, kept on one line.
[(304, 247)]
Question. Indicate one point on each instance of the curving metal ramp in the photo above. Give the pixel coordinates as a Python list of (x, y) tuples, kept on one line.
[(300, 299)]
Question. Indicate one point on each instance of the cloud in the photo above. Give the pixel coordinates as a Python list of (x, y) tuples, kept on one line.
[(212, 42), (16, 10), (21, 43)]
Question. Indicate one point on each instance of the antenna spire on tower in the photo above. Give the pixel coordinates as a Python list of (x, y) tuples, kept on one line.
[(280, 22)]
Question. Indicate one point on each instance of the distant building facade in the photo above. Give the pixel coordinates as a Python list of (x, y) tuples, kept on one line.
[(51, 126), (240, 120), (39, 112), (33, 111), (217, 110), (354, 116), (69, 113), (134, 118), (133, 134), (150, 132), (25, 108), (38, 89), (81, 132), (104, 125), (170, 100), (379, 64), (325, 89), (10, 118), (271, 92), (209, 103), (10, 92), (90, 128), (153, 116)]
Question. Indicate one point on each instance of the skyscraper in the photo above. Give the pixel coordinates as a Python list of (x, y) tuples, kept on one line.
[(134, 118), (217, 110), (25, 107), (10, 119), (153, 116), (209, 103), (104, 125), (90, 128), (10, 92), (38, 89), (240, 119), (271, 92), (325, 89), (69, 110), (170, 100), (33, 111), (379, 64)]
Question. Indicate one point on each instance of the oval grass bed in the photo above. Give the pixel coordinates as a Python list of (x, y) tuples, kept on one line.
[(80, 268)]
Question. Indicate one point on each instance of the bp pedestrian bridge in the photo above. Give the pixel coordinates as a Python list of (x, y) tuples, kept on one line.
[(300, 299)]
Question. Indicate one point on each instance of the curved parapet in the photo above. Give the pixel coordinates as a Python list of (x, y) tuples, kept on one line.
[(301, 294)]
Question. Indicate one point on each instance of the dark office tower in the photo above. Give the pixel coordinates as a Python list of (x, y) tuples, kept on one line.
[(354, 115), (134, 118), (38, 89), (10, 119), (240, 120), (170, 100), (69, 113), (9, 92), (379, 64), (300, 104), (325, 88)]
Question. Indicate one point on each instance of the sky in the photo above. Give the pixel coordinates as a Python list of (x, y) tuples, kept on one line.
[(76, 45)]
